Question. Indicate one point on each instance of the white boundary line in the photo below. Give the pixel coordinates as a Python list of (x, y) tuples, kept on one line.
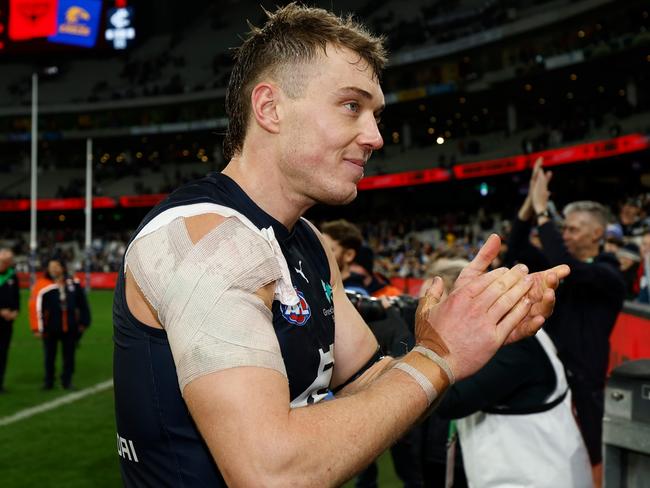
[(51, 405)]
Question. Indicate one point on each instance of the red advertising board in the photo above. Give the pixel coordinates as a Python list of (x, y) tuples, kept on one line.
[(630, 339), (593, 150), (129, 201), (23, 204), (491, 167), (579, 153), (408, 178)]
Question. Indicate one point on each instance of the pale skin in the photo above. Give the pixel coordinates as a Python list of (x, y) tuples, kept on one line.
[(314, 148)]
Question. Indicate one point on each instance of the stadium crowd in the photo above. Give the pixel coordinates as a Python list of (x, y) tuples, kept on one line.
[(405, 248)]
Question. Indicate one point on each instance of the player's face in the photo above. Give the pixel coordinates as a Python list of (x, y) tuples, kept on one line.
[(332, 129)]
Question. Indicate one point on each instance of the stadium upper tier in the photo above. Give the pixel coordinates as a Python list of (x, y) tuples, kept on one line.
[(198, 59), (505, 78)]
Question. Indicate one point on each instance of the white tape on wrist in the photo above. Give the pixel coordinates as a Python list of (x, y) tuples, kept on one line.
[(444, 365), (426, 385)]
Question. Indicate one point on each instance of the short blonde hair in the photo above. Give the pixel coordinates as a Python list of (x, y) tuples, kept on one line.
[(292, 36)]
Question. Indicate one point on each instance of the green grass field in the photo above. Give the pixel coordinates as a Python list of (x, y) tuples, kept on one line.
[(73, 445)]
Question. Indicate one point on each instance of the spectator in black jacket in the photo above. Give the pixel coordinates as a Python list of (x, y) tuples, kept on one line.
[(9, 306), (588, 301)]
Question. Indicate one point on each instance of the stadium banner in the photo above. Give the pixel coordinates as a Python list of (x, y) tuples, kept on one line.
[(98, 281), (77, 22), (408, 178), (580, 153), (23, 204), (152, 200), (593, 150), (29, 19), (491, 167)]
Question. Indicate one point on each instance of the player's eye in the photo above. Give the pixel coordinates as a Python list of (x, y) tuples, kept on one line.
[(352, 106)]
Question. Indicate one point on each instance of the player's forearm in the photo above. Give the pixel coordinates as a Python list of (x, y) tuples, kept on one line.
[(328, 443), (350, 432), (368, 377)]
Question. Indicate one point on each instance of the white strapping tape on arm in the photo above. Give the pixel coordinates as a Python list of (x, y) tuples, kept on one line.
[(204, 295)]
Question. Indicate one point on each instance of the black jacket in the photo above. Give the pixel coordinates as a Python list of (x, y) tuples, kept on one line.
[(52, 312), (9, 293), (519, 376), (587, 304)]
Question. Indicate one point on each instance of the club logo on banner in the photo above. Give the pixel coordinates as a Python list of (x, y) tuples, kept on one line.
[(77, 22), (29, 19)]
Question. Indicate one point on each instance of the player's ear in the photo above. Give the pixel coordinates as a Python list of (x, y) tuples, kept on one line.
[(264, 100)]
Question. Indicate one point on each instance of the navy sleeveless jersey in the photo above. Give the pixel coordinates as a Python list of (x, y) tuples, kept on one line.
[(157, 441)]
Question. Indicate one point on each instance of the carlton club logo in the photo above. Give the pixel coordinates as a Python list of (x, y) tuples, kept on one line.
[(297, 314)]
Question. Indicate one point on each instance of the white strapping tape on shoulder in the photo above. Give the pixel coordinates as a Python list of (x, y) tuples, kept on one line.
[(284, 290), (204, 296)]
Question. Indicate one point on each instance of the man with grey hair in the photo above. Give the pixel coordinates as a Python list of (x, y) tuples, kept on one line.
[(588, 301), (9, 306)]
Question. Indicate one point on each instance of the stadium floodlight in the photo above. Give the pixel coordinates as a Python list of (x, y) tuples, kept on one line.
[(34, 182), (89, 208), (440, 140)]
